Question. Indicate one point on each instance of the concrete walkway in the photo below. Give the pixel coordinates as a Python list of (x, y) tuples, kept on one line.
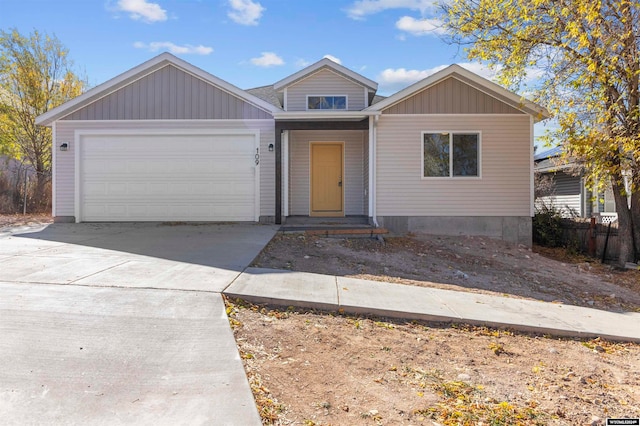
[(409, 302), (109, 324), (77, 355)]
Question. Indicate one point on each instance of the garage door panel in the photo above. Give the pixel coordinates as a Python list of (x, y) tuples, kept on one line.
[(168, 177), (162, 212)]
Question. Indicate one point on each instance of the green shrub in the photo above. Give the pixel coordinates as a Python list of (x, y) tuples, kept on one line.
[(547, 227)]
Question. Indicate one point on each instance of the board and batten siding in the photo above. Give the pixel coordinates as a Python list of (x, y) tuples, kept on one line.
[(169, 93), (451, 96), (325, 82), (503, 190), (65, 160), (299, 168)]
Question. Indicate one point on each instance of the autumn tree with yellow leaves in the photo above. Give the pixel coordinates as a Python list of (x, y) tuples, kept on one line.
[(36, 75), (586, 60)]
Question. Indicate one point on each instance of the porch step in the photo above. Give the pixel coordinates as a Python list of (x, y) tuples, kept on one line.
[(336, 232)]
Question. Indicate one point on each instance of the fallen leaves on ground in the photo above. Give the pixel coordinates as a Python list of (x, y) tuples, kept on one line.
[(335, 369)]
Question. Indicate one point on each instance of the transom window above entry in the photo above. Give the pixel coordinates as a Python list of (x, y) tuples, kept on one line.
[(327, 102)]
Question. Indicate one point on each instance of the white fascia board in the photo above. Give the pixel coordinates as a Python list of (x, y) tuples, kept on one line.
[(554, 168), (484, 85), (324, 115), (329, 64), (140, 71)]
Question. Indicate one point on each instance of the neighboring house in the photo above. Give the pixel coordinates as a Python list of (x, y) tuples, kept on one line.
[(570, 193), (451, 154)]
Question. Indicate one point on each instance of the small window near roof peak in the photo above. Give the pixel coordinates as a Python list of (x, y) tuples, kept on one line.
[(327, 102)]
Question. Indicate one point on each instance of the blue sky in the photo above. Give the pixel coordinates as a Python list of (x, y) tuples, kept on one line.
[(248, 43)]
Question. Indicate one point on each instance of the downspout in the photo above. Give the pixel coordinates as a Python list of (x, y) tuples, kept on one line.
[(370, 169), (374, 146), (285, 174), (54, 165), (531, 170)]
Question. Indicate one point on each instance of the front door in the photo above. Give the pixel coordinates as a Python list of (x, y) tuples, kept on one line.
[(326, 179)]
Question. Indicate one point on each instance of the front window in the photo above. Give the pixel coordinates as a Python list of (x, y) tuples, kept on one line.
[(448, 154), (327, 102)]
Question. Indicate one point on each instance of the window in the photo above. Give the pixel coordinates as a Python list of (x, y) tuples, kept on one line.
[(448, 154), (327, 102)]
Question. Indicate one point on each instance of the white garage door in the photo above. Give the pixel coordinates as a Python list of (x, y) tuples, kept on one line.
[(167, 177)]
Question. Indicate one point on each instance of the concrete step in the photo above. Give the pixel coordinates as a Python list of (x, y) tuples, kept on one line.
[(335, 232)]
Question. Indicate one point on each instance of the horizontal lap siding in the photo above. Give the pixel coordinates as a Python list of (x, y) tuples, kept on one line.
[(169, 94), (64, 173), (65, 163), (325, 83), (353, 168), (503, 190), (566, 195)]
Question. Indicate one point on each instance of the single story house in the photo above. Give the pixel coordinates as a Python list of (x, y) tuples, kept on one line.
[(570, 193), (167, 141)]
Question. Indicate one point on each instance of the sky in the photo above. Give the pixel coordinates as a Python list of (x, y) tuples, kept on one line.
[(248, 43)]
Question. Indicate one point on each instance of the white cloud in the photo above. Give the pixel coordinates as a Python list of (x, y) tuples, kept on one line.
[(268, 59), (174, 48), (420, 27), (401, 77), (301, 63), (481, 70), (361, 8), (391, 80), (333, 58), (245, 12), (143, 10)]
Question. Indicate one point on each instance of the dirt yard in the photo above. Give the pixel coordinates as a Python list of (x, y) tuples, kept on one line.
[(461, 263), (15, 220), (313, 368)]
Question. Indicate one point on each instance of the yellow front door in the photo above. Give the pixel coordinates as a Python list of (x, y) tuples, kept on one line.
[(326, 179)]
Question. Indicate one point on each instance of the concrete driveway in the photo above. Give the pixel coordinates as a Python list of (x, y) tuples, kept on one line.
[(97, 327), (149, 255)]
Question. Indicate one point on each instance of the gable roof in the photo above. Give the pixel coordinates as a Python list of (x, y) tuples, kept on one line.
[(472, 79), (333, 66), (266, 93), (139, 72), (553, 152)]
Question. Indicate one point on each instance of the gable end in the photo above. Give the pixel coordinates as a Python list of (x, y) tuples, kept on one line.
[(168, 93), (325, 82), (451, 96)]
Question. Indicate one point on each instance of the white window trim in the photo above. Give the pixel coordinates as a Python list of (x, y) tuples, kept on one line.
[(451, 133), (346, 102)]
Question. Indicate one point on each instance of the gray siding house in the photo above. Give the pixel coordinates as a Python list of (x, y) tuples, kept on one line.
[(451, 154), (570, 194)]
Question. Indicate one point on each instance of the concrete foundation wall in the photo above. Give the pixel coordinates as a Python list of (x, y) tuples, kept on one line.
[(267, 220), (512, 229), (64, 219)]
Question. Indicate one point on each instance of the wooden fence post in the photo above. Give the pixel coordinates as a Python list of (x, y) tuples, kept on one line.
[(592, 237)]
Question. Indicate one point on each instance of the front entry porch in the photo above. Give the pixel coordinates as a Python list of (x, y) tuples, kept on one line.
[(322, 171)]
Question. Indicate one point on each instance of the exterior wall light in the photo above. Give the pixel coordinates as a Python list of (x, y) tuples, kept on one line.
[(270, 147), (64, 146)]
